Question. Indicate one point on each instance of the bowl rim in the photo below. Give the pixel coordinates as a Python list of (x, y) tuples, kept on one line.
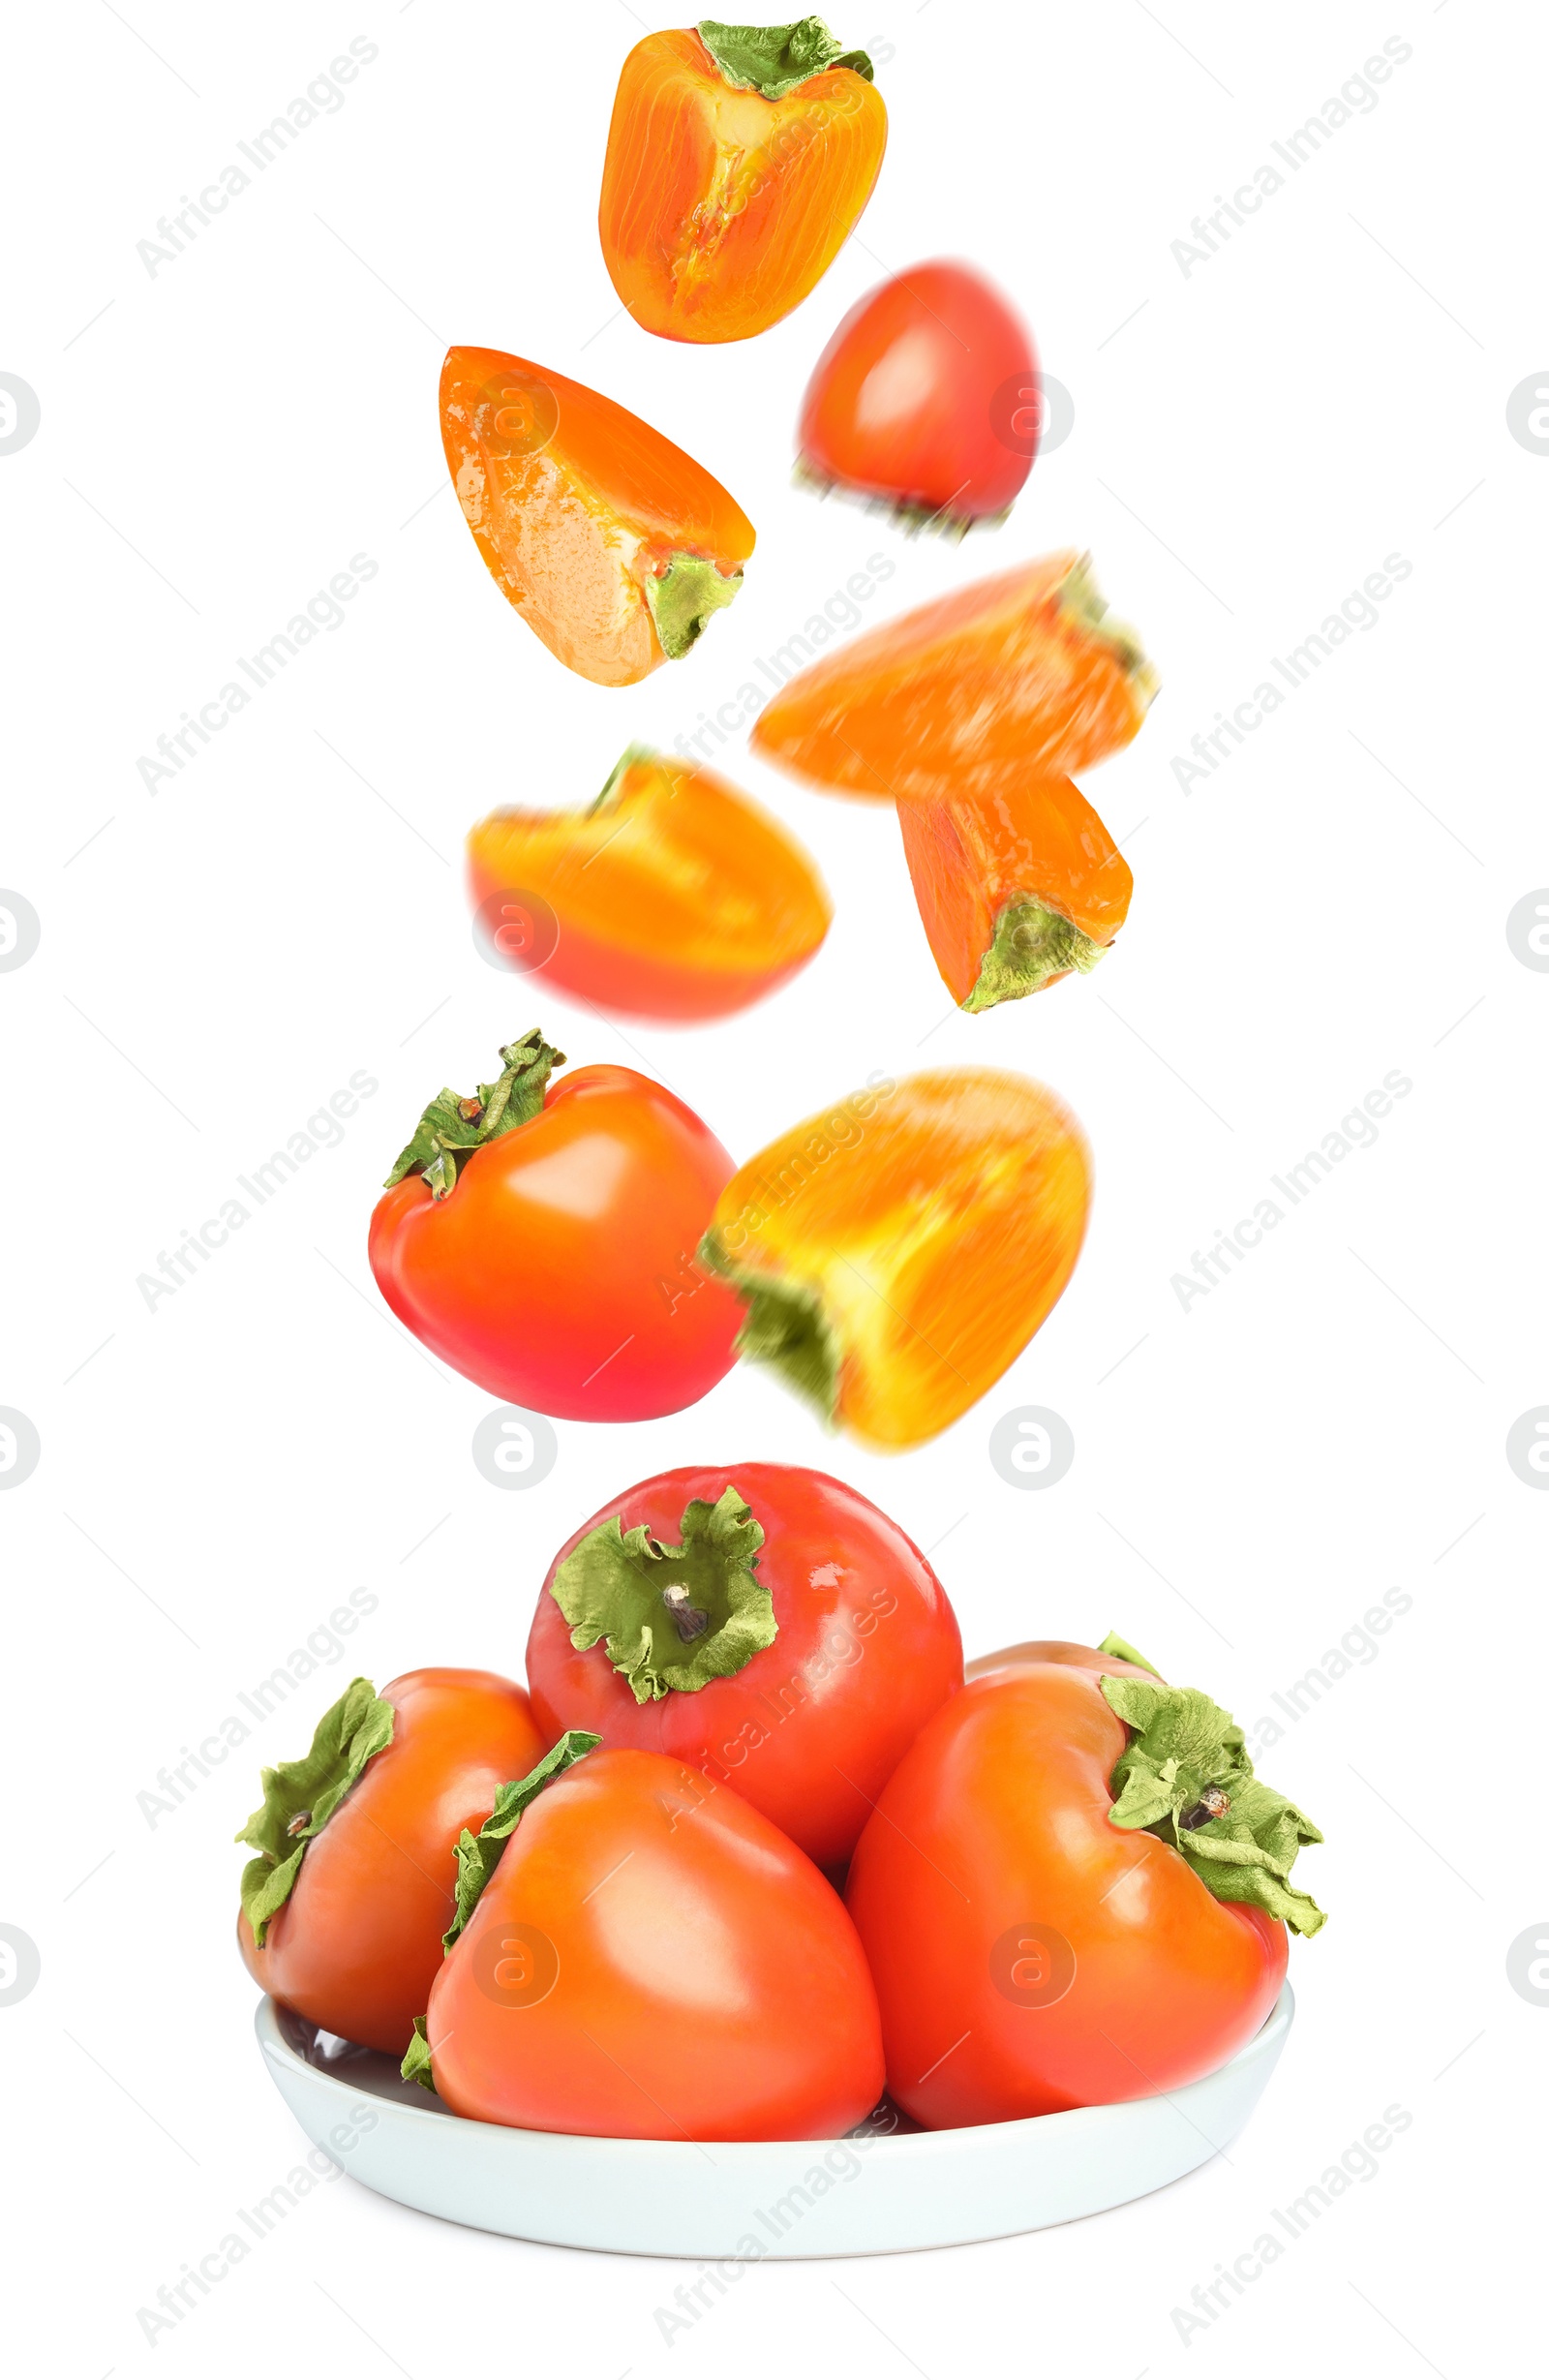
[(890, 2146)]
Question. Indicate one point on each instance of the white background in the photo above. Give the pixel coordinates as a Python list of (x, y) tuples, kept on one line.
[(1251, 439)]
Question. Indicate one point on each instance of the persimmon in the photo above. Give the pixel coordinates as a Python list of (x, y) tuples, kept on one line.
[(764, 1623), (353, 1883), (672, 895), (613, 545), (927, 402), (1073, 1891), (539, 1237), (653, 1960), (1021, 672), (899, 1252), (740, 157), (1016, 886)]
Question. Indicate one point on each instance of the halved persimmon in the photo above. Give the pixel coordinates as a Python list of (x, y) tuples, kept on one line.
[(738, 160), (1016, 888), (1021, 671), (613, 545), (899, 1252), (671, 896)]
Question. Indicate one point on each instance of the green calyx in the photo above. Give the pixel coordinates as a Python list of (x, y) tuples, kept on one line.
[(1186, 1777), (452, 1127), (1032, 945), (416, 2067), (915, 518), (1120, 1649), (1078, 596), (786, 1327), (673, 1617), (774, 60), (634, 755), (480, 1855), (301, 1796), (683, 598), (478, 1858)]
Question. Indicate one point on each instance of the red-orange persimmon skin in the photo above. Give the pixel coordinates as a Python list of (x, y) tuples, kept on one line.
[(653, 1960), (991, 1847), (1059, 1650), (723, 209), (358, 1944), (558, 1274), (928, 395), (812, 1727)]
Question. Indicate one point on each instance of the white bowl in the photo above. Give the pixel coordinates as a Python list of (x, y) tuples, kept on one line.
[(751, 2200)]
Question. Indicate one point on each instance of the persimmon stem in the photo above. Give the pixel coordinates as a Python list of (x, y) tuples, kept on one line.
[(1172, 1779), (686, 1617), (452, 1127), (673, 1617)]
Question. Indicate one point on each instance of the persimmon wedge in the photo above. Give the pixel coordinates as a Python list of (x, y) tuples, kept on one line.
[(613, 545), (740, 157), (1016, 886), (898, 1253), (671, 896), (1023, 671)]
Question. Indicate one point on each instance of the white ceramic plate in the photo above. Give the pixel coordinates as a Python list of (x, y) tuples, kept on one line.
[(752, 2200)]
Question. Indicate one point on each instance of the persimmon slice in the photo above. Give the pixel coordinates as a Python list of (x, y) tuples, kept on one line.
[(672, 895), (899, 1252), (740, 157), (1022, 671), (1016, 888), (613, 545)]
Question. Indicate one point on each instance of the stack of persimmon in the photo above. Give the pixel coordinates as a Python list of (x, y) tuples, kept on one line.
[(749, 1848)]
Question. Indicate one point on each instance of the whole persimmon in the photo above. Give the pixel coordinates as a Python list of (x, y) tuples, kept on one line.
[(354, 1876)]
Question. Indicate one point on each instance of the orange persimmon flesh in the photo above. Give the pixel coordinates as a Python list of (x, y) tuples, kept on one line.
[(721, 209), (1021, 671), (1016, 888), (673, 894), (613, 545), (899, 1251)]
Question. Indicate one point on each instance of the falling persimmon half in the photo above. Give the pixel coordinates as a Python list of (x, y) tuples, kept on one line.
[(1022, 671), (671, 896), (738, 160), (613, 544), (896, 1253)]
